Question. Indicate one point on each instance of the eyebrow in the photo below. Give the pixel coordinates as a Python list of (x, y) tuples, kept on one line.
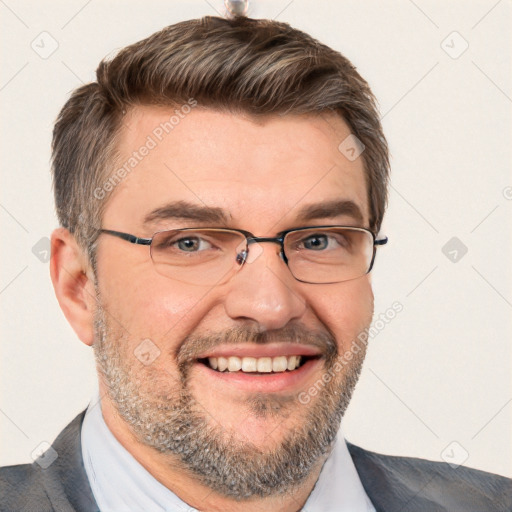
[(331, 209), (183, 210)]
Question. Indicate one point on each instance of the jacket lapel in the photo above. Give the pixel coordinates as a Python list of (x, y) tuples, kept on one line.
[(65, 480)]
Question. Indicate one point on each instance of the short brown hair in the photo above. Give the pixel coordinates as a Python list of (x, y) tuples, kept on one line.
[(259, 67)]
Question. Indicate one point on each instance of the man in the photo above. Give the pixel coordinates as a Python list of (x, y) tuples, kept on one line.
[(221, 189)]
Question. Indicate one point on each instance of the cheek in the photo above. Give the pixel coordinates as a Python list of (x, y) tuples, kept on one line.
[(346, 309), (159, 309)]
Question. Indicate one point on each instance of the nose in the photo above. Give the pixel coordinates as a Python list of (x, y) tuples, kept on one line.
[(264, 292)]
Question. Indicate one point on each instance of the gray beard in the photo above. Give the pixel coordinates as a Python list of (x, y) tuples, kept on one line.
[(163, 414)]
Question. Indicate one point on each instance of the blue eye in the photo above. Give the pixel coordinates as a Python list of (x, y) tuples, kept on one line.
[(316, 242), (324, 241), (187, 244), (191, 244)]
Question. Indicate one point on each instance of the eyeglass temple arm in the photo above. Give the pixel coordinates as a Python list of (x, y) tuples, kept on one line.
[(130, 238)]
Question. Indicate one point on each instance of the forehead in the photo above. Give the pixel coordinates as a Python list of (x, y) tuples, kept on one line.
[(260, 172)]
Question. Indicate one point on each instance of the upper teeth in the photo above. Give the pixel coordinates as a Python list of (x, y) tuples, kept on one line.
[(255, 364)]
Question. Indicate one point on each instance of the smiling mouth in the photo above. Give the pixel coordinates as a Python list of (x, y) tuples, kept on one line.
[(256, 365)]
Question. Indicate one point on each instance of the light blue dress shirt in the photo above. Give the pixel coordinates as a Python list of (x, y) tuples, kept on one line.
[(120, 484)]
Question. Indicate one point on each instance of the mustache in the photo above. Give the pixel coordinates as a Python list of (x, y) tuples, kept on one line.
[(193, 345)]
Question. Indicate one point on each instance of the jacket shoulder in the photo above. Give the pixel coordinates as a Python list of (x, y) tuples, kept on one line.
[(423, 485), (47, 485), (21, 488)]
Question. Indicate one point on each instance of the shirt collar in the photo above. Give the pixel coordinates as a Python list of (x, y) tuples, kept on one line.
[(120, 483)]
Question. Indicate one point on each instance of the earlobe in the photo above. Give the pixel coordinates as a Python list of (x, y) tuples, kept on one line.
[(73, 284)]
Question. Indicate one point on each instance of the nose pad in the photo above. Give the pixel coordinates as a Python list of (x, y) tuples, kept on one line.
[(255, 251), (241, 257), (248, 252)]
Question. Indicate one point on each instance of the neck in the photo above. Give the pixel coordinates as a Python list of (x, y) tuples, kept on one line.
[(171, 473)]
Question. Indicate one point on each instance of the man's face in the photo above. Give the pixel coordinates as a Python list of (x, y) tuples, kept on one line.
[(248, 429)]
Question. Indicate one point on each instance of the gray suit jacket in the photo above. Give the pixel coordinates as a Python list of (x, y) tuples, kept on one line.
[(394, 484)]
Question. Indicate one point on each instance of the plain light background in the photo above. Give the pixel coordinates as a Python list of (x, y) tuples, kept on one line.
[(436, 383)]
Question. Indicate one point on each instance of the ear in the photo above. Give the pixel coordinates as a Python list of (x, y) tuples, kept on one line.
[(73, 282)]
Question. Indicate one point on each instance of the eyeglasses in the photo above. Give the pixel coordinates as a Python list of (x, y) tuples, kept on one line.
[(208, 256)]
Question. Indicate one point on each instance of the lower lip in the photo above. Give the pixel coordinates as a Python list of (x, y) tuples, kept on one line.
[(265, 383)]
